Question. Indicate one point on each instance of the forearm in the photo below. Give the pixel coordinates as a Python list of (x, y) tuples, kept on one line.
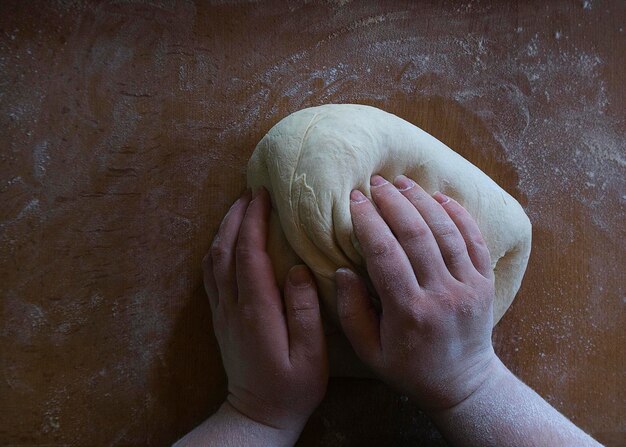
[(506, 412), (228, 427)]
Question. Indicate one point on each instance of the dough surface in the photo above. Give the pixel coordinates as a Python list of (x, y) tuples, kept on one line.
[(311, 160)]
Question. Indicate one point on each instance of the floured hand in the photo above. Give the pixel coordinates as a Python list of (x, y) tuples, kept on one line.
[(272, 347), (431, 269)]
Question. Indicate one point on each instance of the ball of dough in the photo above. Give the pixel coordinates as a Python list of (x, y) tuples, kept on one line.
[(311, 161)]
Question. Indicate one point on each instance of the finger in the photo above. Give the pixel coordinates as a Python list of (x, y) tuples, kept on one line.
[(209, 281), (447, 235), (412, 232), (387, 264), (476, 245), (255, 275), (259, 304), (222, 252), (357, 316), (304, 323)]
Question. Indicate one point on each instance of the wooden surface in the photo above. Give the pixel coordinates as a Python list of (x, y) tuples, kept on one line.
[(125, 129)]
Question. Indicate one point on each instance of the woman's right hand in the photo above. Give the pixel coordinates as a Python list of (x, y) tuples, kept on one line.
[(432, 271)]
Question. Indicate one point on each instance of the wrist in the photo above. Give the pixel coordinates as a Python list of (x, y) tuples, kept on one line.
[(488, 383), (229, 427), (449, 386), (274, 433)]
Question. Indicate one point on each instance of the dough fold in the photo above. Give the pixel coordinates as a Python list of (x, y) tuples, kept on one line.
[(312, 159)]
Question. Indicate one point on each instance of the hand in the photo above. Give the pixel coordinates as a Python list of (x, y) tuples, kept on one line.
[(274, 351), (431, 269)]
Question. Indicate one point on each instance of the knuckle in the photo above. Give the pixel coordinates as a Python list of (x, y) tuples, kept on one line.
[(454, 258), (413, 315), (477, 245), (414, 233), (394, 285), (218, 252), (248, 312), (455, 250), (476, 241), (444, 229), (244, 252), (301, 307), (465, 301), (451, 302), (382, 246)]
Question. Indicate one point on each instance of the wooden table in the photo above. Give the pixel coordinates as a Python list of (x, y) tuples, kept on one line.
[(125, 132)]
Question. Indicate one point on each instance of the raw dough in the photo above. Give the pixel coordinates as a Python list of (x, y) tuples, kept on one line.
[(311, 160)]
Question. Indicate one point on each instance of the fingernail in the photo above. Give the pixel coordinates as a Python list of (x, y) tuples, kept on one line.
[(357, 196), (441, 198), (377, 180), (403, 183), (340, 275), (299, 276)]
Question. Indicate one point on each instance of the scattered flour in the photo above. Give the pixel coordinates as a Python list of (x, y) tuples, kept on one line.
[(555, 124)]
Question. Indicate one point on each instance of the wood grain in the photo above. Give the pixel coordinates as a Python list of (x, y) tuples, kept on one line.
[(125, 131)]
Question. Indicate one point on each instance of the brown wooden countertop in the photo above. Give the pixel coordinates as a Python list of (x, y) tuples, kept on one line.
[(125, 131)]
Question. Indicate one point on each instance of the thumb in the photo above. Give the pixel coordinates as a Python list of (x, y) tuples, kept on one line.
[(304, 322), (358, 318)]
